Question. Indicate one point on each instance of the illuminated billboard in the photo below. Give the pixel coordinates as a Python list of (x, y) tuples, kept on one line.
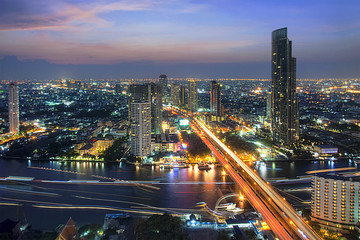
[(184, 122)]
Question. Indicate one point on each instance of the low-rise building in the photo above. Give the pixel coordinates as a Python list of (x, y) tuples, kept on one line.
[(165, 143), (95, 147)]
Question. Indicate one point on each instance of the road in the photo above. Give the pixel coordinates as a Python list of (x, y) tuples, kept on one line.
[(281, 217)]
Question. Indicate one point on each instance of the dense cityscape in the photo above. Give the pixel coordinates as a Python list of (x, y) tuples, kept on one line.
[(169, 155)]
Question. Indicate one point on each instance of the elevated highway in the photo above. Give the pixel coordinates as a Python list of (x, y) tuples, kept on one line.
[(281, 217)]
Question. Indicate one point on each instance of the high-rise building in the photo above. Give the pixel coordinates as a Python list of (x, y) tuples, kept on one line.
[(117, 88), (335, 202), (182, 96), (164, 83), (152, 93), (13, 108), (193, 95), (215, 100), (284, 105), (140, 118), (175, 95), (268, 105)]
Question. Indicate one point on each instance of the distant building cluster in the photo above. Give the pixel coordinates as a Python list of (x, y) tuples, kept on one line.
[(146, 115)]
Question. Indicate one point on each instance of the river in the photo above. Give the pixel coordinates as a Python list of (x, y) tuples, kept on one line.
[(178, 188)]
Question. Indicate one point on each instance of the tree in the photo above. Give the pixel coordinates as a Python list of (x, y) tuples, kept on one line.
[(89, 231), (160, 227), (115, 151), (223, 235)]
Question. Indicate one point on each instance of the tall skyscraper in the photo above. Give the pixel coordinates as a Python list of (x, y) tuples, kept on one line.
[(193, 95), (13, 108), (163, 80), (175, 95), (215, 100), (268, 105), (284, 105), (140, 118), (153, 94), (182, 96)]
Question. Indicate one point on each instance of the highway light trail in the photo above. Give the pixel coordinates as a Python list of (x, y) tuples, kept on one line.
[(331, 170), (252, 197), (127, 202), (299, 226), (23, 191), (98, 207), (279, 214), (57, 170)]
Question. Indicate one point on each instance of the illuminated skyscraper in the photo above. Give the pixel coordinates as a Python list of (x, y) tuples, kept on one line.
[(193, 96), (215, 100), (163, 80), (175, 95), (140, 118), (13, 108), (182, 96), (284, 105), (268, 105), (153, 94)]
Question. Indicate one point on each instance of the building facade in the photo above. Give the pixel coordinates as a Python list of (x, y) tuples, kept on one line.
[(284, 102), (13, 101), (151, 93), (335, 202), (175, 95), (164, 83), (140, 118), (182, 96), (268, 105), (215, 99), (193, 96)]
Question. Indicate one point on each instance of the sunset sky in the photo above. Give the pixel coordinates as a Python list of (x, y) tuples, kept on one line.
[(181, 32)]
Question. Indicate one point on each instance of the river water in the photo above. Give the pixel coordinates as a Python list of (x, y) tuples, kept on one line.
[(178, 188)]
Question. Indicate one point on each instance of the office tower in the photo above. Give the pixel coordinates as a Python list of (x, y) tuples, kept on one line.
[(175, 95), (156, 107), (193, 96), (117, 88), (284, 105), (140, 118), (215, 100), (182, 96), (152, 93), (335, 202), (268, 105), (163, 80), (13, 108)]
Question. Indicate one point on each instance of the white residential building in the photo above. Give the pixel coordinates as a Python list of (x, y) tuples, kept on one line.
[(335, 202), (13, 108), (140, 117)]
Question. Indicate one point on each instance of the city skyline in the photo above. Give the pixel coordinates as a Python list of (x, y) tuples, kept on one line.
[(145, 112), (190, 39)]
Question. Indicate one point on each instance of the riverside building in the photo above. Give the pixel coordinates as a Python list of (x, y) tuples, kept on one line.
[(335, 202)]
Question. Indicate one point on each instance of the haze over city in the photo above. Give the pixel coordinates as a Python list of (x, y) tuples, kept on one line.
[(204, 39)]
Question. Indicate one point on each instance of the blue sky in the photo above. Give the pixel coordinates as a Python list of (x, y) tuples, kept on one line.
[(180, 31)]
